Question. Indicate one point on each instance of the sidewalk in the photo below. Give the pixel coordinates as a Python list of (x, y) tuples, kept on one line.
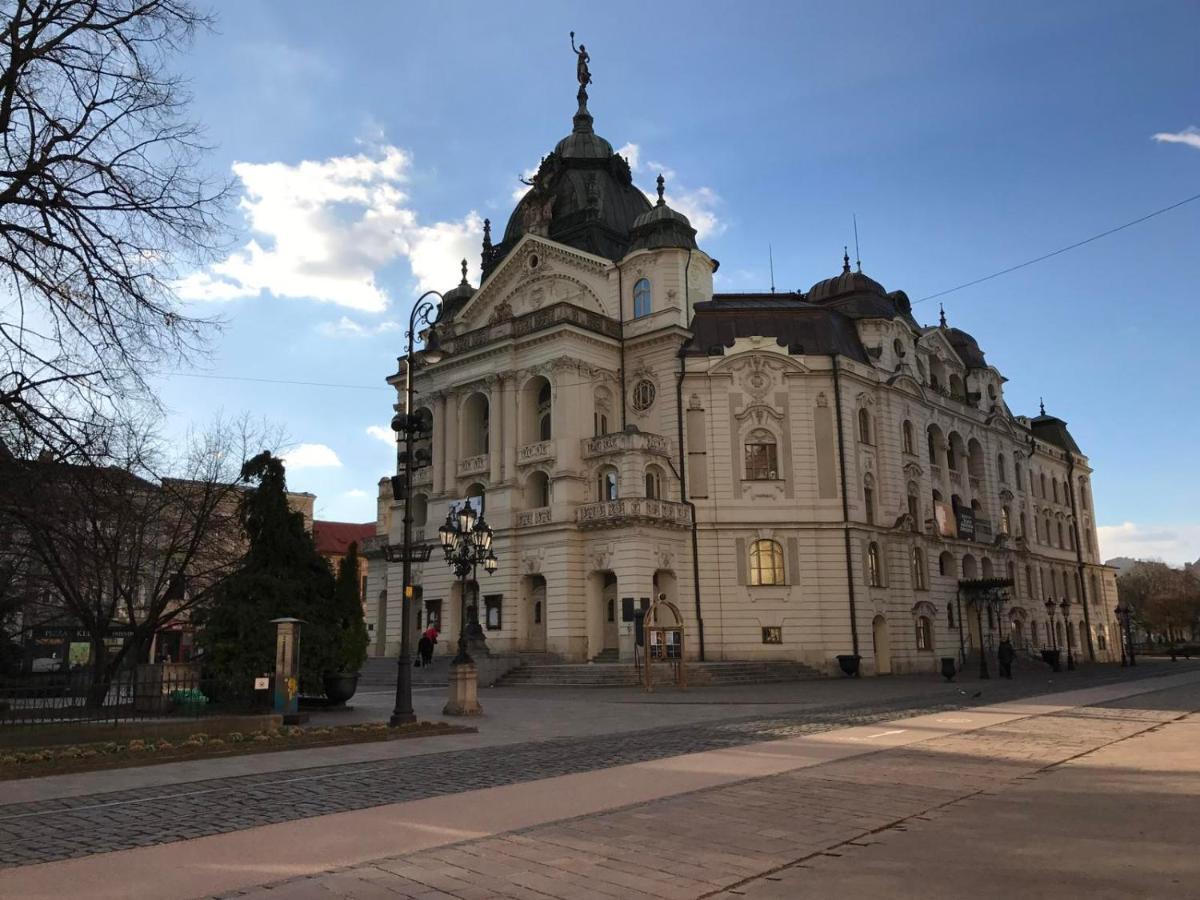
[(514, 716), (719, 817)]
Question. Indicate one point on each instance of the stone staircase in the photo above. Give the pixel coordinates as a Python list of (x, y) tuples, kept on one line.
[(607, 656), (623, 674)]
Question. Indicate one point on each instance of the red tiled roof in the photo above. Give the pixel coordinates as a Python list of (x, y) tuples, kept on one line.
[(335, 538)]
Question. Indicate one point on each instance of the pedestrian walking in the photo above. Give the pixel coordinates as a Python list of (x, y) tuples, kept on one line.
[(1006, 654)]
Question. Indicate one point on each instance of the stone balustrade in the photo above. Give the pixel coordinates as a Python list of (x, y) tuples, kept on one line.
[(627, 510), (529, 323), (539, 452), (527, 517), (474, 465), (623, 441)]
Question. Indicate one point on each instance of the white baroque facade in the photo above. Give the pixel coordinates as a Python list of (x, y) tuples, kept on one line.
[(803, 474)]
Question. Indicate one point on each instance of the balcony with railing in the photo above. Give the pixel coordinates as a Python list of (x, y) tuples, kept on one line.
[(474, 465), (542, 451), (624, 441), (539, 320), (632, 510)]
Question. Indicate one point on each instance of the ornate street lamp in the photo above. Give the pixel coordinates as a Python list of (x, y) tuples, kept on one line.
[(1050, 620), (1124, 615), (983, 666), (466, 541), (1065, 606), (409, 428)]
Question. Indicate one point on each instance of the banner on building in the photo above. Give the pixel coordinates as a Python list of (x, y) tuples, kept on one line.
[(944, 514)]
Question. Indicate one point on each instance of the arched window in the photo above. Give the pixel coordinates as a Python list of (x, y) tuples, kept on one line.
[(924, 633), (1084, 500), (986, 568), (864, 425), (543, 412), (1029, 591), (1001, 469), (641, 298), (975, 459), (1017, 475), (766, 562), (1021, 525), (653, 483), (602, 400), (1070, 536), (957, 389), (946, 563), (874, 566), (477, 494), (970, 567), (954, 451), (1042, 481), (914, 506), (949, 615), (761, 461), (919, 581), (1005, 518), (537, 490), (1054, 486), (474, 417), (869, 498), (906, 437), (607, 484), (1101, 638), (1060, 534), (420, 510), (1033, 632)]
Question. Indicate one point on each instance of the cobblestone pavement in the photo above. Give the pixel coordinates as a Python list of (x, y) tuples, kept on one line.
[(745, 839), (84, 825)]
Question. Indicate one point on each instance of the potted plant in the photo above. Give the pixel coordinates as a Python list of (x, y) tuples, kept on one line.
[(849, 663), (350, 638)]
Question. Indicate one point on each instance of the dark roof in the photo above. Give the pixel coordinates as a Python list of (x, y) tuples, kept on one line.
[(966, 347), (335, 538), (662, 227), (1053, 430), (794, 323)]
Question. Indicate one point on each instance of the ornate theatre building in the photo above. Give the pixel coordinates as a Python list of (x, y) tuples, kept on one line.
[(803, 474)]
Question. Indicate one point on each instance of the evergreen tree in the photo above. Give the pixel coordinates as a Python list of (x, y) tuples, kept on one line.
[(282, 575), (347, 603)]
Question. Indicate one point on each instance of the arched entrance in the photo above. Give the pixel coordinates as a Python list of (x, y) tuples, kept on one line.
[(883, 646), (535, 614)]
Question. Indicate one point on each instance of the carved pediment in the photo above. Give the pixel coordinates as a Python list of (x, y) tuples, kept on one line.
[(912, 470), (758, 413)]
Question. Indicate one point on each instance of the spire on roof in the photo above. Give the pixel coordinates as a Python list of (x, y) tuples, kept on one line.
[(464, 271), (845, 260), (1042, 405), (662, 182), (583, 118), (941, 316)]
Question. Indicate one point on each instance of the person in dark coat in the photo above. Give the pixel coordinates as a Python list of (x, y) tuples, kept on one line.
[(1006, 654), (426, 644)]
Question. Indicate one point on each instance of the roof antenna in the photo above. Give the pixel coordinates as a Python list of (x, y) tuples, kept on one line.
[(857, 255), (771, 257), (845, 260)]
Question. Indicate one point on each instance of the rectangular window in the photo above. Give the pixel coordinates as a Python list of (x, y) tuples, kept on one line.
[(761, 462), (493, 608), (772, 634)]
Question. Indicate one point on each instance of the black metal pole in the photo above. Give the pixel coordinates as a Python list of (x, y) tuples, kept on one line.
[(983, 666), (1070, 643), (1129, 638), (402, 712)]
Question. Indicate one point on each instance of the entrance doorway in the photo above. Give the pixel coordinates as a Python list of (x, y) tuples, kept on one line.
[(609, 601), (883, 646), (535, 615)]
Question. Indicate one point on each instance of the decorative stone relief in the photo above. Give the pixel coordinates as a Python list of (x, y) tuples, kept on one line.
[(531, 561)]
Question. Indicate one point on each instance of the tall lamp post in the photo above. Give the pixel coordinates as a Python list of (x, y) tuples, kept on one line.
[(466, 541), (1124, 615), (1050, 622), (1065, 606), (409, 428), (980, 600)]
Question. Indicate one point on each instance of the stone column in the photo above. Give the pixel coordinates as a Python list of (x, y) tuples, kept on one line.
[(500, 428), (439, 457), (450, 443), (512, 426)]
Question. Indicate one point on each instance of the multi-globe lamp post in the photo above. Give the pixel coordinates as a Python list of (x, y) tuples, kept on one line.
[(1065, 606), (1124, 617), (467, 543), (410, 427)]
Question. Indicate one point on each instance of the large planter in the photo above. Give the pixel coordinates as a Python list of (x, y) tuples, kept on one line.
[(849, 664), (949, 667), (340, 686)]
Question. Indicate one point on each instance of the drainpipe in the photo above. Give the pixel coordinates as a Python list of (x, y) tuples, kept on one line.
[(621, 320), (1083, 597), (683, 495), (837, 400)]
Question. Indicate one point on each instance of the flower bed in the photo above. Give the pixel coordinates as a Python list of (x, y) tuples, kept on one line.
[(35, 762)]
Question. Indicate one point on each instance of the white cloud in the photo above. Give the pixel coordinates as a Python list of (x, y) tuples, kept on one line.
[(698, 204), (1175, 544), (356, 493), (1189, 136), (382, 434), (345, 327), (324, 229), (311, 456), (632, 153)]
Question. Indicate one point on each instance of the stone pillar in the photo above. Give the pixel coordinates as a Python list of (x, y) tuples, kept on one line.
[(512, 425), (439, 456), (464, 691), (450, 457), (500, 429)]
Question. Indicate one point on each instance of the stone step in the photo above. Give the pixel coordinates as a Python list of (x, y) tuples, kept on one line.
[(610, 673)]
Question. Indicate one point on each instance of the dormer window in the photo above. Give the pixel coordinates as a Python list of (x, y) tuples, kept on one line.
[(641, 298)]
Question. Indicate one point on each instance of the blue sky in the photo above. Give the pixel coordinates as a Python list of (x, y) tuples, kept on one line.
[(367, 148)]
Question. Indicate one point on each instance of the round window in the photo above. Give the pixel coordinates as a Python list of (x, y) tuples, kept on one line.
[(534, 261), (643, 394)]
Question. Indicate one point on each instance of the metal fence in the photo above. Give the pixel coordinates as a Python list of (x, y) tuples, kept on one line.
[(147, 692)]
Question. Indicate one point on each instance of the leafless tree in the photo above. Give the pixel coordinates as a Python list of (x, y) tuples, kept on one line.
[(102, 206), (126, 546), (1165, 601)]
